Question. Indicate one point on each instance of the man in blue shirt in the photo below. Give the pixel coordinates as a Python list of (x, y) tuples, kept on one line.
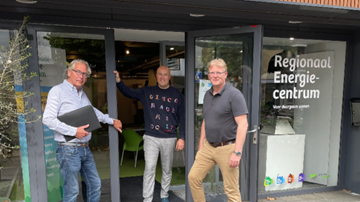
[(74, 156), (164, 110)]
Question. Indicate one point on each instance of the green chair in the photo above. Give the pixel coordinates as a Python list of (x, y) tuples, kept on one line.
[(132, 143)]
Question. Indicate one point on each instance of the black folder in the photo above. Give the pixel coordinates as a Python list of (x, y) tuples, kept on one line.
[(80, 117)]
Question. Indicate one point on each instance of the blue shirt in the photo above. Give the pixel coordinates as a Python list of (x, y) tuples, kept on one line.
[(64, 98), (164, 109)]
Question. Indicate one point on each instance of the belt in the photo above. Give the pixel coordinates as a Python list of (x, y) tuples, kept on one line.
[(222, 143), (76, 144)]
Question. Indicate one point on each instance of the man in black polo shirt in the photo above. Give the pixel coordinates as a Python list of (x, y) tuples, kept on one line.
[(223, 133)]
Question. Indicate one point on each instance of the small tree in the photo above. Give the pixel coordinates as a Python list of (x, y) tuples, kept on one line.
[(13, 63)]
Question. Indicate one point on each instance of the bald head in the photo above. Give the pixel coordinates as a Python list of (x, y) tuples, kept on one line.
[(163, 68), (163, 77)]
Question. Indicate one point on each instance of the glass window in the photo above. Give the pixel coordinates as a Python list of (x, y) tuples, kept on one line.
[(301, 104), (13, 176)]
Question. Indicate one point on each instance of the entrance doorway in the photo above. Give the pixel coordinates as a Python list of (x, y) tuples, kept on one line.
[(241, 49)]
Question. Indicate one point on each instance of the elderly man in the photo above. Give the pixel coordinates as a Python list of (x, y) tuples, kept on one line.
[(74, 156), (222, 136), (164, 110)]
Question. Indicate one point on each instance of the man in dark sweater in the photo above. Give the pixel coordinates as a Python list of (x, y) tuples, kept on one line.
[(164, 110)]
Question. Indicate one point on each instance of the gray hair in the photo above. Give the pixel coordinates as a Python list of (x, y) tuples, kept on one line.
[(72, 65)]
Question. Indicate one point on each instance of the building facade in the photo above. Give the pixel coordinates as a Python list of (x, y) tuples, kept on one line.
[(295, 62)]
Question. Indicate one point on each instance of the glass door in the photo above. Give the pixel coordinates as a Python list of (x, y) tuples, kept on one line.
[(55, 48), (241, 49)]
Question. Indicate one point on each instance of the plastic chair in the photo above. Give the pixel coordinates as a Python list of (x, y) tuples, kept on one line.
[(132, 143)]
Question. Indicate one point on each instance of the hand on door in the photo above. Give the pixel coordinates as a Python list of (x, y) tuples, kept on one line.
[(117, 76)]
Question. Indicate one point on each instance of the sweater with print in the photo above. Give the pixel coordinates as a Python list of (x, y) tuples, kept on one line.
[(164, 109)]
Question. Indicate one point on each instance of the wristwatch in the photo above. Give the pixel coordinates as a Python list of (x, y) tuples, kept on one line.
[(237, 153)]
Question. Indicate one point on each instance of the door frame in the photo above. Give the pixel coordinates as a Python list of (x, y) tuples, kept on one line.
[(37, 164), (257, 31)]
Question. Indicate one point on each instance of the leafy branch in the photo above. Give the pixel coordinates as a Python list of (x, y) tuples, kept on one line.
[(13, 109)]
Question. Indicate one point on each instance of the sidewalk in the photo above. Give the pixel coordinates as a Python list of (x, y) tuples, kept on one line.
[(335, 196)]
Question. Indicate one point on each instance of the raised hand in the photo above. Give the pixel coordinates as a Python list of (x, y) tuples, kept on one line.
[(117, 76)]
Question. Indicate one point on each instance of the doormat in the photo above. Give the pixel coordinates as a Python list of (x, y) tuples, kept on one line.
[(131, 190)]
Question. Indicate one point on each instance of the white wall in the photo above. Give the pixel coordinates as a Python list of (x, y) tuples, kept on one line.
[(323, 118)]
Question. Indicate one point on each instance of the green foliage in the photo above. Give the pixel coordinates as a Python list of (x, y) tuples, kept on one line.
[(13, 63), (91, 50)]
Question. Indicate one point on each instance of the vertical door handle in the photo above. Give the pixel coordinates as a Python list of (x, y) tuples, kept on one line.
[(255, 136)]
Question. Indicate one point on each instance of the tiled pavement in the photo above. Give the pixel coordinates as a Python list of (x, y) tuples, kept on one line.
[(335, 196)]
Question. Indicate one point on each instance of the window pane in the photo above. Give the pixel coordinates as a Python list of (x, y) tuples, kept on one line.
[(14, 177), (301, 104)]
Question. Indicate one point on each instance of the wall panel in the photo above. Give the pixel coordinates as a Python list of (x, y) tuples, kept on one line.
[(344, 3)]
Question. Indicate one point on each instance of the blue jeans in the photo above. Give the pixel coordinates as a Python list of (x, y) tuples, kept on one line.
[(73, 160)]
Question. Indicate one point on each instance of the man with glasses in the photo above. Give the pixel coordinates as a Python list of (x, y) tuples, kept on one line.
[(74, 156), (164, 110), (222, 135)]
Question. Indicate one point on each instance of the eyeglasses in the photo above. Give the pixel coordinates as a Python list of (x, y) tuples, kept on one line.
[(216, 73), (79, 73)]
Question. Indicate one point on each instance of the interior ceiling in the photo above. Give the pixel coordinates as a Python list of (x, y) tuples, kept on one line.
[(174, 15)]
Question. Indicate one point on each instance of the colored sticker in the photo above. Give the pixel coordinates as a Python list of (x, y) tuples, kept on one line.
[(290, 178), (163, 99), (157, 127), (280, 180), (325, 176), (157, 116), (176, 100), (167, 109), (151, 97), (313, 176), (268, 181), (301, 177), (161, 107), (153, 105)]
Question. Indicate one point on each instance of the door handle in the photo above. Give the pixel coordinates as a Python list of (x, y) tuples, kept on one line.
[(255, 131)]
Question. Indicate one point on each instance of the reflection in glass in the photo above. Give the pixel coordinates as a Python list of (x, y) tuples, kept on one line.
[(56, 51), (300, 114), (14, 183), (236, 51)]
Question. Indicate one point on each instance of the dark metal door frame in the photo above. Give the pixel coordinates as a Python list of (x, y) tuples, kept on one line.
[(37, 167), (190, 101)]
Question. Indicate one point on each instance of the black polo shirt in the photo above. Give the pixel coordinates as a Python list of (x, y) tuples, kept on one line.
[(220, 111)]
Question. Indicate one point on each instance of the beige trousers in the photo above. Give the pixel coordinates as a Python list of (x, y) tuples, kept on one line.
[(206, 159)]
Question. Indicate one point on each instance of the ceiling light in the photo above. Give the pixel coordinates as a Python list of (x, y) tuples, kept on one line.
[(27, 1), (295, 22), (197, 15), (241, 51), (172, 48), (127, 52), (299, 45), (292, 38)]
